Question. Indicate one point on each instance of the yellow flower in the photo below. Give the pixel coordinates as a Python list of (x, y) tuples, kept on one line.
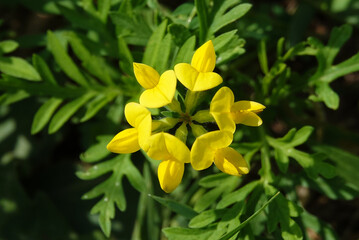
[(213, 147), (174, 154), (132, 139), (159, 89), (228, 113), (199, 75)]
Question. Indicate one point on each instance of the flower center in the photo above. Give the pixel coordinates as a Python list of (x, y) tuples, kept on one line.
[(186, 118)]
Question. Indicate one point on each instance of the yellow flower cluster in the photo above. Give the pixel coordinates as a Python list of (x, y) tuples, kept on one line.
[(172, 150)]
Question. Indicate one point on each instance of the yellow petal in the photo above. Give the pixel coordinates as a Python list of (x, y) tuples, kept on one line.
[(207, 80), (248, 106), (146, 76), (225, 121), (205, 146), (144, 129), (162, 94), (170, 175), (186, 74), (231, 162), (247, 118), (164, 146), (222, 101), (125, 141), (220, 109), (204, 59), (135, 113)]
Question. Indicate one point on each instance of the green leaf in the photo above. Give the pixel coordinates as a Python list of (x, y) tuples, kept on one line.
[(186, 51), (213, 180), (177, 207), (219, 21), (96, 105), (205, 218), (154, 47), (64, 114), (243, 224), (94, 64), (202, 13), (64, 60), (134, 177), (282, 160), (134, 32), (97, 151), (111, 188), (301, 136), (207, 199), (162, 60), (323, 229), (179, 33), (43, 115), (222, 40), (347, 164), (348, 66), (174, 233), (338, 36), (8, 46), (43, 69), (104, 7), (262, 56), (238, 195), (227, 185), (327, 95), (18, 67)]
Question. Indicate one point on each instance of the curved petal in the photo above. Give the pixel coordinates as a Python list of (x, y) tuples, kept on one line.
[(205, 146), (204, 59), (230, 161), (162, 94), (135, 113), (146, 76), (248, 106), (144, 129), (186, 74), (125, 141), (207, 80), (222, 101), (225, 121), (170, 175), (247, 118), (164, 146)]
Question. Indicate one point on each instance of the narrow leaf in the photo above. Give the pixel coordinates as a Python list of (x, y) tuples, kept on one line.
[(186, 51), (8, 46), (153, 49), (64, 114), (18, 67), (230, 234), (43, 69), (43, 115), (64, 60), (97, 151), (96, 105), (229, 17), (179, 208)]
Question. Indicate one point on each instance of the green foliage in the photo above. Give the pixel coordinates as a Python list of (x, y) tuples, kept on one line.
[(80, 75)]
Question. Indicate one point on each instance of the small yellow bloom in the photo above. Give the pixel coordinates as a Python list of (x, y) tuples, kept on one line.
[(228, 113), (199, 75), (159, 89), (213, 147), (174, 154), (132, 139)]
